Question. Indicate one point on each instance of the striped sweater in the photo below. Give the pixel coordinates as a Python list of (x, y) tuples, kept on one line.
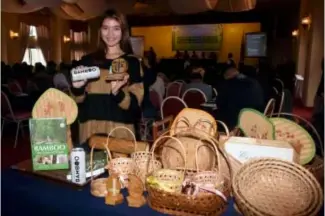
[(99, 110)]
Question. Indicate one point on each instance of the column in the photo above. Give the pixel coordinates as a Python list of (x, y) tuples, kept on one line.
[(93, 32), (314, 52), (56, 38), (4, 41)]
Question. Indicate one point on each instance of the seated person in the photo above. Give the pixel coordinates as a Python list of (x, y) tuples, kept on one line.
[(196, 81), (235, 93)]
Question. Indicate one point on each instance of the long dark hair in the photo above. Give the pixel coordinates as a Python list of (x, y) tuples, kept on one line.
[(125, 40)]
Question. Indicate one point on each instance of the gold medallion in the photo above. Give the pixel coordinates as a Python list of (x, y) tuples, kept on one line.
[(120, 65)]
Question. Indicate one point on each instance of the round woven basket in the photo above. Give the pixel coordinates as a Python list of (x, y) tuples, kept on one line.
[(176, 203), (121, 166), (97, 186), (273, 187)]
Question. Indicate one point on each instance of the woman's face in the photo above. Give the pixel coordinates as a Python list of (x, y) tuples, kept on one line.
[(111, 32)]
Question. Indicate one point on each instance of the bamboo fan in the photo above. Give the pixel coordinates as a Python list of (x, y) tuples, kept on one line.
[(56, 104), (297, 136), (255, 124)]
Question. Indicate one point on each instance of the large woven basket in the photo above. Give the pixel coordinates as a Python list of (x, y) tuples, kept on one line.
[(275, 187), (98, 186), (121, 166), (176, 203)]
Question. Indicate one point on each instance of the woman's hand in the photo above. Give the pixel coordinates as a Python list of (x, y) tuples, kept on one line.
[(81, 83), (117, 85)]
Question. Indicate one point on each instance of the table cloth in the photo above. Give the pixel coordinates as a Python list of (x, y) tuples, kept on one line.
[(27, 194)]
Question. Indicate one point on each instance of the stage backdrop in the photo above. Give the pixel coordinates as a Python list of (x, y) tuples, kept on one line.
[(197, 37)]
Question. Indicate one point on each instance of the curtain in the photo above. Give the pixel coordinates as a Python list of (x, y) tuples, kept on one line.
[(43, 40), (24, 38), (79, 44)]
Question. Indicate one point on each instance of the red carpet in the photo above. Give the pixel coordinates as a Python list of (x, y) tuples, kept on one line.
[(302, 111)]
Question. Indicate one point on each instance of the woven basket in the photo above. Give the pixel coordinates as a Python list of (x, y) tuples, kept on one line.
[(97, 186), (146, 163), (190, 137), (275, 187), (121, 166), (176, 203)]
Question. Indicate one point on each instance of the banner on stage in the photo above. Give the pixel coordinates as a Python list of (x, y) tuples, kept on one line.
[(207, 37)]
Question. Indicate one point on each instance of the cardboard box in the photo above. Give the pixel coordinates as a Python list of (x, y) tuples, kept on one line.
[(245, 148)]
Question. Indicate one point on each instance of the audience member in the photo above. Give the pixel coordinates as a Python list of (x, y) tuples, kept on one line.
[(202, 55), (194, 55), (186, 55), (178, 54), (196, 81), (237, 92), (230, 60), (286, 72), (159, 86), (60, 80), (149, 78), (152, 57)]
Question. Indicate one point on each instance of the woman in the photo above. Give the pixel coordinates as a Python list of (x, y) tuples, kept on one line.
[(105, 105)]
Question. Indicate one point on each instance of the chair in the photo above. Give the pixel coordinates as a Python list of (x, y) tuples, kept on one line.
[(15, 88), (278, 84), (171, 106), (275, 91), (215, 92), (8, 115), (160, 127), (155, 99), (194, 98), (180, 81), (270, 106), (174, 89), (281, 102)]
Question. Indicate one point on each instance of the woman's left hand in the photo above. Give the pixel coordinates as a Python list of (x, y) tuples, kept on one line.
[(117, 85)]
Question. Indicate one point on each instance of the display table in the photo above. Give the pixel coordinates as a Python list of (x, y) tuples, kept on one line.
[(26, 194)]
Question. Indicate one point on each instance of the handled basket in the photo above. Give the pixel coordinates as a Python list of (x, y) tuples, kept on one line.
[(191, 136), (98, 186), (121, 166), (145, 163), (273, 187), (173, 202)]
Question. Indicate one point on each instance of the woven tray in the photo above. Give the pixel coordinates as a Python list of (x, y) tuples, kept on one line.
[(275, 187)]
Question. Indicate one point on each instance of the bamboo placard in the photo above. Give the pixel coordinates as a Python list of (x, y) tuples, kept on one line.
[(53, 104)]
